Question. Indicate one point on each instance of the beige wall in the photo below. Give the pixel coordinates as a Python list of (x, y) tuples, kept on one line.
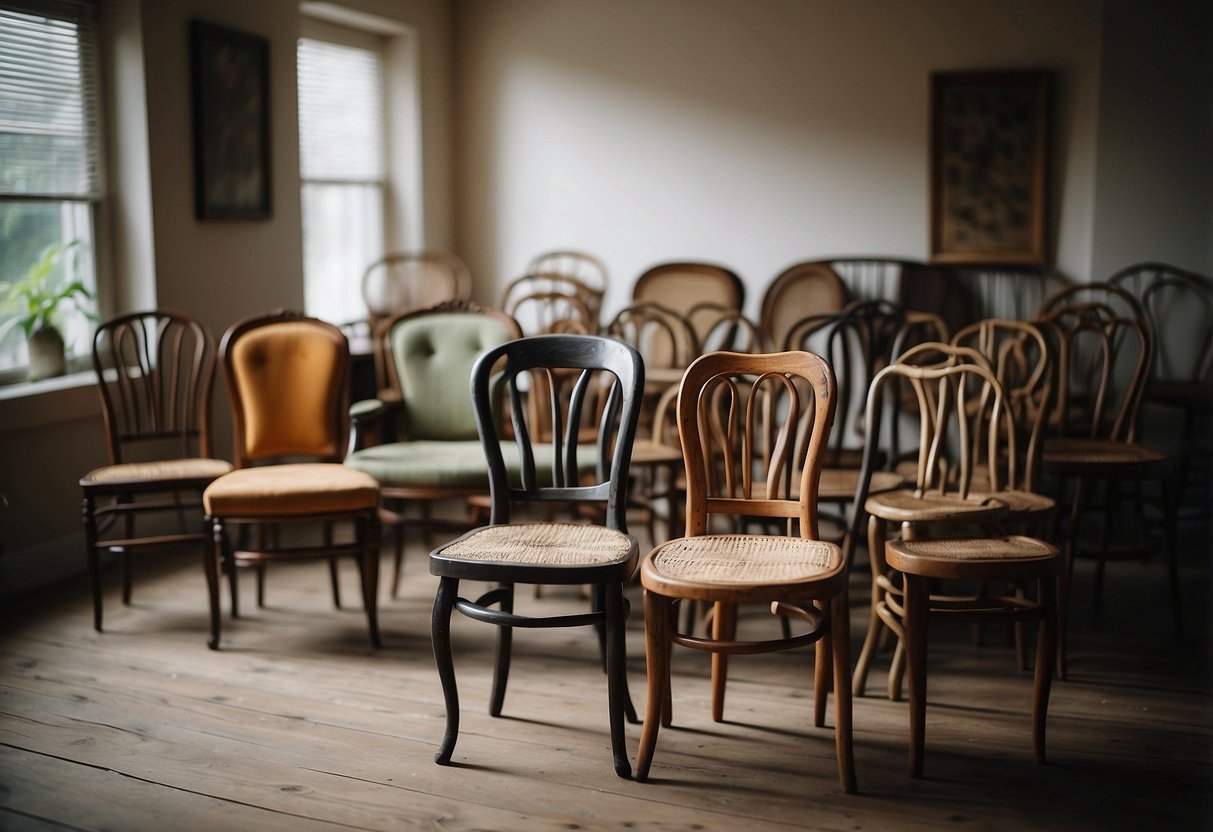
[(751, 132)]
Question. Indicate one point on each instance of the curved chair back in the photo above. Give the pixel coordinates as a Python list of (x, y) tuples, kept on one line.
[(544, 303), (681, 286), (1179, 308), (662, 336), (409, 280), (287, 378), (798, 292), (738, 418), (432, 354), (155, 376), (603, 367), (582, 266), (723, 330)]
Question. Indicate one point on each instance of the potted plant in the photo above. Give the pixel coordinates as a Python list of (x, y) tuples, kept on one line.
[(38, 295)]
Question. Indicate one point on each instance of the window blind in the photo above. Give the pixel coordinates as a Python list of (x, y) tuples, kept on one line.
[(340, 113), (49, 144)]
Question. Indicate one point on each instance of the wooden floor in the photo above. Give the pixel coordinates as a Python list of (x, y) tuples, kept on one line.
[(297, 724)]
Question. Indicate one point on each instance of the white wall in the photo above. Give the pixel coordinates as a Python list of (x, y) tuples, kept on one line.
[(751, 132)]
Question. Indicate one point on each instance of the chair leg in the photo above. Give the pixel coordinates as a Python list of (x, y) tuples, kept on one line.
[(397, 557), (658, 612), (876, 533), (261, 543), (440, 633), (94, 567), (840, 637), (724, 628), (367, 530), (334, 573), (822, 665), (598, 604), (618, 700), (1067, 576), (667, 698), (1043, 680), (505, 639), (917, 601), (128, 525), (210, 565), (897, 671), (1171, 494), (227, 562)]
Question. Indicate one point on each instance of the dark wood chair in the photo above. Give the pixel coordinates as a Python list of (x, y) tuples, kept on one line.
[(288, 381), (737, 414), (509, 551), (1101, 340), (155, 373)]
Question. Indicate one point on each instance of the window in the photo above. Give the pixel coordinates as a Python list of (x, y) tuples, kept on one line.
[(50, 168), (341, 138)]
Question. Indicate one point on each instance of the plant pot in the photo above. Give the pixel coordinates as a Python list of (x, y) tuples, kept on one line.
[(46, 354)]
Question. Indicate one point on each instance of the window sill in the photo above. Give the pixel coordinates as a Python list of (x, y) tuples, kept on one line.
[(64, 398)]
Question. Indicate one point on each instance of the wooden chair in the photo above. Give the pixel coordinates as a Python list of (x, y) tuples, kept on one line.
[(800, 291), (663, 337), (1102, 346), (721, 411), (580, 265), (408, 280), (287, 378), (437, 455), (964, 406), (681, 286), (155, 372), (544, 304), (723, 329), (508, 552)]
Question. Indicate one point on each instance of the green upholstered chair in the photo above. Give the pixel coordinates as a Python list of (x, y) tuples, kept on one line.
[(429, 355)]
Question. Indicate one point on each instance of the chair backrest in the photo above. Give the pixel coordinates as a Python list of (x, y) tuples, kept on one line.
[(964, 421), (857, 342), (584, 267), (408, 280), (681, 286), (1102, 350), (1019, 355), (662, 336), (544, 303), (288, 380), (798, 292), (723, 330), (155, 375), (431, 353), (738, 418), (603, 367), (1179, 308)]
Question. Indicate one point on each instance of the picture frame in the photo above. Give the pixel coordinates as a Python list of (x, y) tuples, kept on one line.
[(230, 92), (989, 167)]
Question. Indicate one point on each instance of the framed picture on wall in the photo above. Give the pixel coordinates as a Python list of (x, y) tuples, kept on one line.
[(989, 167), (230, 80)]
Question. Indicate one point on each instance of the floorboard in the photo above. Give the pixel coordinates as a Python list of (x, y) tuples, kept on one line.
[(297, 723)]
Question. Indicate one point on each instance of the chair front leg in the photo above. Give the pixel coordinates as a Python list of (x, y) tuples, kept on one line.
[(876, 535), (210, 566), (94, 568), (334, 573), (440, 634), (658, 613), (1043, 680), (618, 700), (505, 640), (917, 601), (724, 628), (128, 525), (840, 637), (368, 531)]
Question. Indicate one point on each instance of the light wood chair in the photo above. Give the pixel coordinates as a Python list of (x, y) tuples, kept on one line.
[(723, 330), (407, 280), (287, 378), (508, 552), (729, 406), (799, 292), (964, 406), (680, 287), (544, 304), (155, 373)]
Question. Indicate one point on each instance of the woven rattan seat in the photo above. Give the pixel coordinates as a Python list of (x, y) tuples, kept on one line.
[(541, 544), (732, 559), (140, 473), (905, 506)]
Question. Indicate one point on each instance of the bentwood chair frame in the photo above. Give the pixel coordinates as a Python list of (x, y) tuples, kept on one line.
[(401, 281), (738, 413), (801, 291), (507, 553), (681, 286), (270, 489), (155, 377)]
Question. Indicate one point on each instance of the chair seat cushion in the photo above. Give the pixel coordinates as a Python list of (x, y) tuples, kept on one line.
[(456, 464), (291, 490), (198, 471), (740, 559), (569, 545)]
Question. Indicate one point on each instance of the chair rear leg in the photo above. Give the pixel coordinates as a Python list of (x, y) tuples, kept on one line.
[(210, 565), (94, 567), (368, 531), (840, 650), (440, 634), (128, 525), (334, 572), (397, 557), (505, 639)]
